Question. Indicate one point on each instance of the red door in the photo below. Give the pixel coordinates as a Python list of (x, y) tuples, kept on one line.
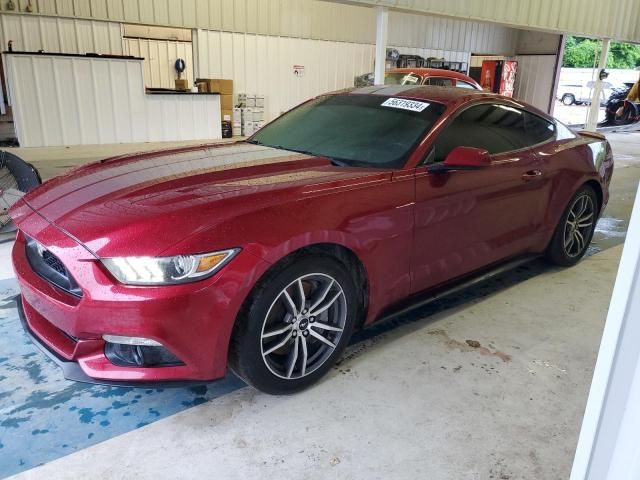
[(469, 219)]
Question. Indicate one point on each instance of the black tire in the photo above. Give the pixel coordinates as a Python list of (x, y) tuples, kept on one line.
[(246, 348), (628, 114), (557, 252), (568, 99)]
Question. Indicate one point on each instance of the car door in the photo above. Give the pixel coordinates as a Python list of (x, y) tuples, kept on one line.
[(468, 219)]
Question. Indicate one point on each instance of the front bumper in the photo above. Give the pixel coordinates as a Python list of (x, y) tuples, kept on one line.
[(71, 369), (193, 321)]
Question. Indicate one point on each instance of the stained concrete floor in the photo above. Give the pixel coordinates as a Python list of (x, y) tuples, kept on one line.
[(411, 399)]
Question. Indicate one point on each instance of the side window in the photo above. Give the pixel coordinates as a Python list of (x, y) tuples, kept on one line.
[(538, 129), (463, 84), (439, 81), (495, 128)]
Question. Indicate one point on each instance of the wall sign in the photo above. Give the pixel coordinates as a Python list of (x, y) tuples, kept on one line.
[(298, 70)]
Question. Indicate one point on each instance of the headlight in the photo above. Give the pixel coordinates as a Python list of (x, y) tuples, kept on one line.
[(167, 270)]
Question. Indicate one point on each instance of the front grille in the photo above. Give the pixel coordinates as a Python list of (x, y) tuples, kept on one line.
[(54, 262), (49, 267)]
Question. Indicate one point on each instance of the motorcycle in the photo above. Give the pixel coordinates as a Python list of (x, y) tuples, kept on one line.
[(620, 111)]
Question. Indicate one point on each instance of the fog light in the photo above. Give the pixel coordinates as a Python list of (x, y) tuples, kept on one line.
[(136, 355), (131, 340)]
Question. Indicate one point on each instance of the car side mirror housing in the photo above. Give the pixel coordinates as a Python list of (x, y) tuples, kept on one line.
[(464, 158)]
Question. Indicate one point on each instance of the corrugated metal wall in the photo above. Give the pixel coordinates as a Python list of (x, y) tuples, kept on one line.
[(60, 35), (315, 19), (619, 19), (291, 18), (534, 81), (264, 64), (159, 59), (352, 23), (450, 34)]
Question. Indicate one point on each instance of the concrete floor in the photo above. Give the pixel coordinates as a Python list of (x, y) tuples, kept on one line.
[(411, 399)]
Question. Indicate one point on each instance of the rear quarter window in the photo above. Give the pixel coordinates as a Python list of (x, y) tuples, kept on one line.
[(537, 129)]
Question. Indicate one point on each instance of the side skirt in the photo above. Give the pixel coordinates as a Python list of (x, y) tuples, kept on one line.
[(420, 300)]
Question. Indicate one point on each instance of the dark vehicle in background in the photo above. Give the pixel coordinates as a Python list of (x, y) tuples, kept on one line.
[(630, 110)]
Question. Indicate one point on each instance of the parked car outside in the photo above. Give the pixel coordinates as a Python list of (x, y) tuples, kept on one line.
[(578, 94), (265, 255)]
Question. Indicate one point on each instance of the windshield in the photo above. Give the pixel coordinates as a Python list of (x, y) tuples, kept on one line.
[(401, 79), (353, 130)]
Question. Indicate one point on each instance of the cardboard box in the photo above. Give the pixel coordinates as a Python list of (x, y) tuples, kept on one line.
[(224, 87), (182, 84), (202, 86), (226, 102), (226, 114)]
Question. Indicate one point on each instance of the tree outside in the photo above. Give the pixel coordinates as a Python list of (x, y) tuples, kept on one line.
[(584, 52)]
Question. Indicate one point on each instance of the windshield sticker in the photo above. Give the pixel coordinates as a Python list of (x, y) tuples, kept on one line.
[(404, 104)]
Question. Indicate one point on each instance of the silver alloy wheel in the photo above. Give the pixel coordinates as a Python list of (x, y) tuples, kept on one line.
[(577, 229), (303, 326)]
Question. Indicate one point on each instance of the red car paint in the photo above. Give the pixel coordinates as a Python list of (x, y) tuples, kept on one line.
[(426, 73), (411, 229)]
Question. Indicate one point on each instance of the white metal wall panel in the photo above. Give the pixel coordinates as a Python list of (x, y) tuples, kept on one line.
[(85, 100), (60, 35), (290, 18), (159, 59), (618, 20), (450, 34), (332, 20), (264, 64), (534, 80)]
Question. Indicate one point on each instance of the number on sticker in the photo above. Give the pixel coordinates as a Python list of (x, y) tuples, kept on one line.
[(405, 104)]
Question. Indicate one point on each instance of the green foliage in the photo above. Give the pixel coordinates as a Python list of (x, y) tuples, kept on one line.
[(624, 55), (584, 53)]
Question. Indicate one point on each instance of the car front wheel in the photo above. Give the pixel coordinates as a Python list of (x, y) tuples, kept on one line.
[(568, 99), (295, 326), (575, 229)]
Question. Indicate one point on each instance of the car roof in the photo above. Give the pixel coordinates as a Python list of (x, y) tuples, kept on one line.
[(433, 72), (449, 96)]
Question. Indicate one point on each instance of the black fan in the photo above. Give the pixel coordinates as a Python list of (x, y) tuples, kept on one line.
[(16, 178)]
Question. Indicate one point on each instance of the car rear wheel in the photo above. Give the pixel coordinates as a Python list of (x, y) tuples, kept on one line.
[(575, 229), (568, 99), (296, 325)]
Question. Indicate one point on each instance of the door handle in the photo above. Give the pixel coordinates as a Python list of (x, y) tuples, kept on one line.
[(532, 175)]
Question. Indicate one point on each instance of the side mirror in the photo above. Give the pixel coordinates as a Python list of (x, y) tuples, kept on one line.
[(464, 158)]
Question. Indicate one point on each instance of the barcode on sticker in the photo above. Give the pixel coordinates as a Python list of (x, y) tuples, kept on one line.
[(404, 104)]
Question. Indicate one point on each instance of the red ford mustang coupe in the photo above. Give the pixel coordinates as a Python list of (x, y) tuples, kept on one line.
[(265, 254)]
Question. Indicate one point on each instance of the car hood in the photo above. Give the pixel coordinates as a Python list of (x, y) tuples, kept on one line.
[(143, 204)]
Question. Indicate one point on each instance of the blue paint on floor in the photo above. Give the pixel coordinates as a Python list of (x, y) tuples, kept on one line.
[(44, 417)]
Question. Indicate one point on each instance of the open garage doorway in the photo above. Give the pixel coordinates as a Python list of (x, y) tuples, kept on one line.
[(579, 72)]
